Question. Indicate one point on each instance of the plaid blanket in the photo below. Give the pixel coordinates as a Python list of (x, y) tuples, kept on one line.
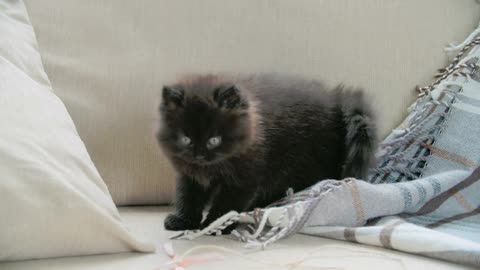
[(423, 196)]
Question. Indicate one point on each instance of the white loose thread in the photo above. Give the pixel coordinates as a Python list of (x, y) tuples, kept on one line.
[(453, 48), (215, 227)]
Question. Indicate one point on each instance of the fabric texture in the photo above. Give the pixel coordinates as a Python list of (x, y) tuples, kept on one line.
[(321, 253), (108, 59), (53, 202), (423, 195)]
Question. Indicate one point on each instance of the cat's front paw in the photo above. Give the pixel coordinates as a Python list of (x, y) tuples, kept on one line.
[(174, 222)]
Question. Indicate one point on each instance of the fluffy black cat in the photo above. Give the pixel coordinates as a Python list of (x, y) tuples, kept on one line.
[(242, 142)]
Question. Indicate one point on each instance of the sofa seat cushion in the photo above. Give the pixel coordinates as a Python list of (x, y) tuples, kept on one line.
[(147, 223)]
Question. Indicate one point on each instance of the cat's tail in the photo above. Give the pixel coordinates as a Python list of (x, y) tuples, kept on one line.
[(361, 133)]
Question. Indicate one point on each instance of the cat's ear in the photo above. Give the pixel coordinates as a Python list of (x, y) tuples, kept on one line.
[(172, 97), (228, 97)]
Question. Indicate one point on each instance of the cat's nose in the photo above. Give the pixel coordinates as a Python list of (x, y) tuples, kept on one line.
[(200, 157)]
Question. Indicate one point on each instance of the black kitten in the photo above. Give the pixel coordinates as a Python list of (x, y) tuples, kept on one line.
[(243, 142)]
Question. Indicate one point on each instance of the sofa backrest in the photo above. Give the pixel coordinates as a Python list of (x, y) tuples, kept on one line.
[(108, 59)]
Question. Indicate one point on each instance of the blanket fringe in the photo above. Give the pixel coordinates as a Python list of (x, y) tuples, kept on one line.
[(453, 48), (215, 228), (288, 215)]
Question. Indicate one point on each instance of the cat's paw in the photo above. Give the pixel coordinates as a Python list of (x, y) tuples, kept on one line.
[(174, 222)]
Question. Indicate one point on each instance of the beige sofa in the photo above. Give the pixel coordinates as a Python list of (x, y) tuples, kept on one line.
[(108, 59)]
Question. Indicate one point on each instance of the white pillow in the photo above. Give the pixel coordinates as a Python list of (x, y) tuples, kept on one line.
[(53, 201)]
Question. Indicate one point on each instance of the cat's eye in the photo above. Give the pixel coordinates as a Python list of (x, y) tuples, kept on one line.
[(184, 140), (214, 142)]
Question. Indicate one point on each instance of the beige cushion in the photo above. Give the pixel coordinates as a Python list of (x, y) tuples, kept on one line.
[(327, 254), (108, 59), (53, 201)]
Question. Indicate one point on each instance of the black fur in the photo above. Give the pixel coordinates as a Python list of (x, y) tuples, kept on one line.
[(276, 132)]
